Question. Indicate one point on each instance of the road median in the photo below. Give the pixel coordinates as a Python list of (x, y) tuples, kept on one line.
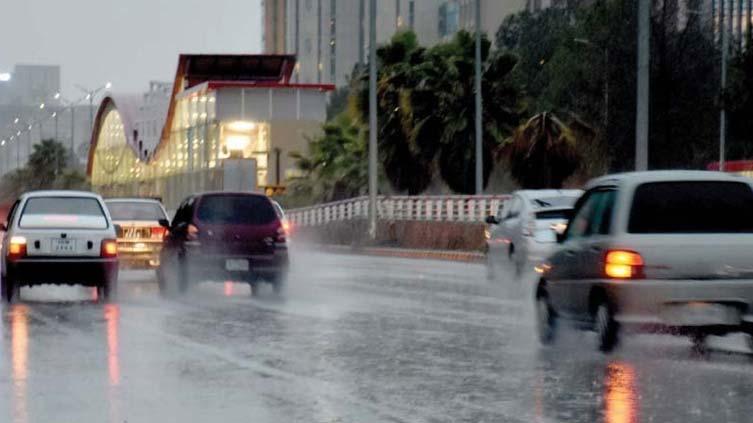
[(446, 255)]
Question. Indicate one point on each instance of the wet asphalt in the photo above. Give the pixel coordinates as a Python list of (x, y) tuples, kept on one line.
[(354, 339)]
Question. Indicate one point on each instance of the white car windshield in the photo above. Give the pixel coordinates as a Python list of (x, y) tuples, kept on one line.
[(63, 212)]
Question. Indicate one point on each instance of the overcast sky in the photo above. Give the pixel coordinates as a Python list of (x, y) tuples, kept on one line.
[(128, 42)]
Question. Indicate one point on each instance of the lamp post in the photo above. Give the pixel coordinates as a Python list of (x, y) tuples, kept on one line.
[(479, 107), (90, 96), (372, 121)]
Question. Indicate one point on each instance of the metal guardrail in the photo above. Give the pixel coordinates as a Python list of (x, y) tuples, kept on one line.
[(451, 208)]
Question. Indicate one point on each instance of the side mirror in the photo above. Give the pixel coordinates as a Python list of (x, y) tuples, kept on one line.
[(118, 229), (492, 220), (4, 227), (560, 237), (164, 223)]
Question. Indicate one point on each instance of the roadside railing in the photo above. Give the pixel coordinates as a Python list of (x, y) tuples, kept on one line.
[(451, 208)]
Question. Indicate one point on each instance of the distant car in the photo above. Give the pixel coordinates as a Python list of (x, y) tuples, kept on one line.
[(140, 232), (59, 237), (667, 251), (224, 236), (522, 231)]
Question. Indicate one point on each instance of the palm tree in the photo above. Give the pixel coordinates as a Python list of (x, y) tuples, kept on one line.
[(426, 110), (543, 153)]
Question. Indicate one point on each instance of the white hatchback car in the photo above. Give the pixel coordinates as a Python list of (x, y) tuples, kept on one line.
[(522, 231), (59, 237)]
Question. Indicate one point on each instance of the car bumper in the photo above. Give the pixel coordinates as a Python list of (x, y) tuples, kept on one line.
[(214, 266), (62, 271), (678, 304), (142, 255)]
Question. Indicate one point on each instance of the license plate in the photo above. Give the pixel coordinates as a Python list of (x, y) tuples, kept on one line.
[(63, 246), (236, 265), (701, 314)]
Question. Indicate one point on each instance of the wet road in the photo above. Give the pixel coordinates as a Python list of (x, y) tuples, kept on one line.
[(355, 339)]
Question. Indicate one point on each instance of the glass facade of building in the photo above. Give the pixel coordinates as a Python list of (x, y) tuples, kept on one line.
[(196, 145)]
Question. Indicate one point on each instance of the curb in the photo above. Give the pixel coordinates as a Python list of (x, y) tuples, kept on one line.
[(460, 256)]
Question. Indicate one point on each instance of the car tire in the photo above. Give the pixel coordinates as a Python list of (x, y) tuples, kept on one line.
[(605, 326), (106, 291), (254, 288), (171, 276), (9, 290), (546, 319), (699, 343), (279, 283), (183, 277)]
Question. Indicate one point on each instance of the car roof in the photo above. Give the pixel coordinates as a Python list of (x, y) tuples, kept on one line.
[(532, 194), (133, 200), (207, 193), (666, 175), (60, 193)]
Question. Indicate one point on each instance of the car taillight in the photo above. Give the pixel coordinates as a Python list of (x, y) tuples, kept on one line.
[(16, 247), (158, 232), (109, 248), (192, 233), (281, 235), (287, 226), (621, 264)]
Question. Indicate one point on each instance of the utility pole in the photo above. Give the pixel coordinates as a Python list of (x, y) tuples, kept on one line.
[(723, 112), (372, 121), (479, 107), (643, 89)]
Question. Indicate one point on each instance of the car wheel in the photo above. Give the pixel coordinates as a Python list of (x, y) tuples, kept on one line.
[(8, 289), (254, 288), (182, 274), (699, 343), (606, 327), (171, 276), (106, 291), (279, 283), (546, 320)]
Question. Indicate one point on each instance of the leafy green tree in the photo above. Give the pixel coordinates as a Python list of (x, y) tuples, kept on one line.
[(543, 153), (426, 106), (47, 168), (335, 167)]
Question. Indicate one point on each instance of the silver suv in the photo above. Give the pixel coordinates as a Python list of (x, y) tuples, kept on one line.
[(668, 251), (59, 237)]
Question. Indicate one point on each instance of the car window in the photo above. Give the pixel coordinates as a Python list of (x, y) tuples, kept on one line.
[(11, 213), (184, 213), (560, 201), (692, 207), (135, 210), (515, 207), (601, 220), (63, 212), (580, 223), (236, 209)]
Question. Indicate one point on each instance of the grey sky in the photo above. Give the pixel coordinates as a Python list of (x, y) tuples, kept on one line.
[(128, 42)]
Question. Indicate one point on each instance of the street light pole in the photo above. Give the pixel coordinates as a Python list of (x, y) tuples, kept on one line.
[(372, 121), (723, 112), (643, 89), (479, 107)]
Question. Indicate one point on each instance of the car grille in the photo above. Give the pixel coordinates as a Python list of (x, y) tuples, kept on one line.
[(134, 233)]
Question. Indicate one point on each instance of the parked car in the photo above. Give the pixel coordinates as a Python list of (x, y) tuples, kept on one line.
[(668, 251), (59, 237), (140, 233), (521, 232), (223, 236)]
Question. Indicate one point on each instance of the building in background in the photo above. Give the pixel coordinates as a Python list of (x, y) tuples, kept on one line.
[(274, 30), (222, 110), (330, 37), (24, 123)]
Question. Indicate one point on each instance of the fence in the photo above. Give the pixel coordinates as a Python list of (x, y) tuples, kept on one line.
[(453, 208)]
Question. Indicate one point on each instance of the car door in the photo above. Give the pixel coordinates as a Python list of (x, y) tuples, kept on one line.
[(566, 266), (590, 253)]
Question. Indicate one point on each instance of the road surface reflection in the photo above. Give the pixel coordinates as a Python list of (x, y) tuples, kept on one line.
[(621, 398), (19, 315)]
